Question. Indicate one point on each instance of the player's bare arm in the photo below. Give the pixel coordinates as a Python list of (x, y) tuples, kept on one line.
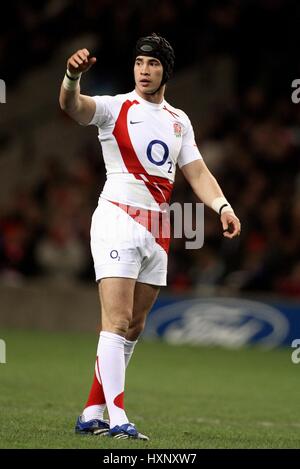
[(207, 189), (79, 107)]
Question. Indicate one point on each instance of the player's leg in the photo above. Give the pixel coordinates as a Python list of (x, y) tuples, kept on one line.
[(126, 263), (145, 296), (92, 421), (95, 405), (152, 276), (116, 297), (142, 300), (116, 262)]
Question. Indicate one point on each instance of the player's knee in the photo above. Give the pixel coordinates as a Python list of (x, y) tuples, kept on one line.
[(136, 327), (117, 323), (117, 327)]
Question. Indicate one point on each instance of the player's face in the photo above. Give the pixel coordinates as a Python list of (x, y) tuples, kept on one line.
[(148, 72)]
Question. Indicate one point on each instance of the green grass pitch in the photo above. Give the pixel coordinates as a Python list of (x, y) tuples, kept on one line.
[(182, 397)]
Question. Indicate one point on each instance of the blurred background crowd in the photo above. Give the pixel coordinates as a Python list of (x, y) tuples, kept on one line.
[(235, 62)]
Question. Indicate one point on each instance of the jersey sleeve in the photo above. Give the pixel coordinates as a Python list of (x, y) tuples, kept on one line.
[(103, 111), (189, 151)]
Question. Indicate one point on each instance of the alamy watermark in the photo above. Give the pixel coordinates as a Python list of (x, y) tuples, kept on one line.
[(296, 93), (2, 351), (296, 353), (2, 91), (175, 220)]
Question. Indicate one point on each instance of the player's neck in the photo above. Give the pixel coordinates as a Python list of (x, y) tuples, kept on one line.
[(155, 98)]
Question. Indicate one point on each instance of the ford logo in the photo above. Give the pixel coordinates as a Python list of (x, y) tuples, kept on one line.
[(228, 322)]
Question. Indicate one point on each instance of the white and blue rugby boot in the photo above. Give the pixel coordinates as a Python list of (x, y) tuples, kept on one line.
[(92, 427), (125, 431)]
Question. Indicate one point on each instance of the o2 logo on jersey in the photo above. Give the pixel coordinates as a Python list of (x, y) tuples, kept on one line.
[(165, 155)]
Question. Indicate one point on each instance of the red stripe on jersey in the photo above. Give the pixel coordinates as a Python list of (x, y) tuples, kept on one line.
[(171, 112), (119, 400), (160, 221), (159, 187), (121, 134)]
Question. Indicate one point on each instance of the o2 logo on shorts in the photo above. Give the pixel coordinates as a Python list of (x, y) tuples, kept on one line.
[(164, 157), (114, 254)]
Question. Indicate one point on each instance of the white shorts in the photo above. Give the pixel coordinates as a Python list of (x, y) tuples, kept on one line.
[(122, 247)]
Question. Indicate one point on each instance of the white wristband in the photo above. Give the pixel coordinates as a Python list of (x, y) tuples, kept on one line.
[(71, 80), (221, 205)]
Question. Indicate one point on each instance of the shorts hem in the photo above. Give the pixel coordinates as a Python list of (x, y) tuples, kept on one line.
[(158, 280), (127, 271)]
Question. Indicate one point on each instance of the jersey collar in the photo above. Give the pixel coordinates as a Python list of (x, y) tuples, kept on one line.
[(146, 103)]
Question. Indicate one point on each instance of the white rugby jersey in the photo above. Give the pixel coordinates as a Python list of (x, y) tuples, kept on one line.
[(141, 143)]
